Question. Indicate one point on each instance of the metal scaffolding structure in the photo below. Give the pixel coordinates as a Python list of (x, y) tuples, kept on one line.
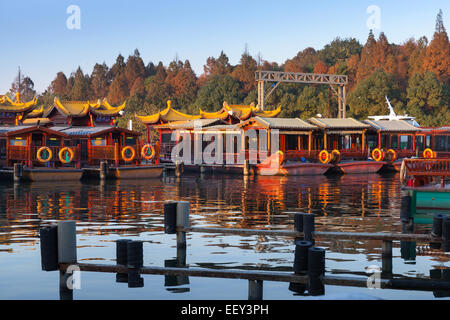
[(295, 77)]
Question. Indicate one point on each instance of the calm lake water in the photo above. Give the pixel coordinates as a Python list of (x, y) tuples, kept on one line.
[(133, 210)]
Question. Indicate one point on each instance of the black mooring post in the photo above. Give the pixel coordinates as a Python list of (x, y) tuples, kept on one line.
[(135, 260), (436, 231), (170, 217), (298, 223), (386, 258), (301, 256), (122, 258), (405, 215), (308, 227), (255, 289), (49, 248), (316, 271), (134, 279), (65, 293), (408, 251), (135, 255), (446, 234)]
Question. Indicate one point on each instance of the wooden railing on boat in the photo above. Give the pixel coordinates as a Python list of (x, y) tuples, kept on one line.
[(28, 155), (428, 167)]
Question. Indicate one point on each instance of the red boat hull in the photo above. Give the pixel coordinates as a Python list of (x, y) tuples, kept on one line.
[(294, 169), (357, 167)]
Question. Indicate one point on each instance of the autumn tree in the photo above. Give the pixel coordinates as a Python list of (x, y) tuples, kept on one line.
[(100, 81), (366, 63), (118, 90), (58, 86), (220, 66), (24, 86), (417, 57), (244, 72), (437, 58), (304, 61), (320, 67), (134, 71), (80, 90)]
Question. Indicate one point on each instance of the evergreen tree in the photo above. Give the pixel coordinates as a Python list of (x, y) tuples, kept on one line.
[(368, 97)]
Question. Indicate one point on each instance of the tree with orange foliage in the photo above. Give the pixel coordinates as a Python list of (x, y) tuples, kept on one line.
[(245, 72), (320, 67), (437, 58)]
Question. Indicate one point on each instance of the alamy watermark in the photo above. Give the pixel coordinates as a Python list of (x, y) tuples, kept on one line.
[(374, 20), (374, 279), (73, 22), (73, 280), (213, 147)]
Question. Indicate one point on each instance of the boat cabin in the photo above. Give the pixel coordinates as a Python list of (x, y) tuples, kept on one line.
[(398, 135), (39, 147), (294, 137), (348, 136), (104, 143), (437, 139)]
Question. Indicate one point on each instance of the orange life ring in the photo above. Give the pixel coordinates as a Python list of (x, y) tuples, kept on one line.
[(124, 155), (377, 154), (428, 153), (39, 154), (336, 155), (324, 156), (144, 151), (394, 154), (61, 155)]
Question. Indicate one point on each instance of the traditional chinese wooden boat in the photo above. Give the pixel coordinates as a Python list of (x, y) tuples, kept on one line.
[(347, 140), (425, 181), (290, 142), (72, 138)]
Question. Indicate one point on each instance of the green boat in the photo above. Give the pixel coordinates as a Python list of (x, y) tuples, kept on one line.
[(426, 201), (426, 184)]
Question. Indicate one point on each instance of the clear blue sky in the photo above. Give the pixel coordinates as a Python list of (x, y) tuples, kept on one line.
[(35, 37)]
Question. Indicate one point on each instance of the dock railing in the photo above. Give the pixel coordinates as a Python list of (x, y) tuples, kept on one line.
[(58, 251)]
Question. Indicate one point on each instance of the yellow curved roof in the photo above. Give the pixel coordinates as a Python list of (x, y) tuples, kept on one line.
[(81, 108), (7, 105), (167, 115), (36, 112), (242, 112), (103, 108)]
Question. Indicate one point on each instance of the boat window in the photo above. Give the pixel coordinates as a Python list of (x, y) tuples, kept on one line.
[(394, 141), (346, 142), (440, 143), (405, 142), (372, 141), (130, 141), (448, 143), (428, 142), (420, 143), (385, 141), (291, 142), (166, 137)]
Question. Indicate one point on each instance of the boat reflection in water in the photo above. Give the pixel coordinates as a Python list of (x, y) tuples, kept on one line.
[(133, 209)]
